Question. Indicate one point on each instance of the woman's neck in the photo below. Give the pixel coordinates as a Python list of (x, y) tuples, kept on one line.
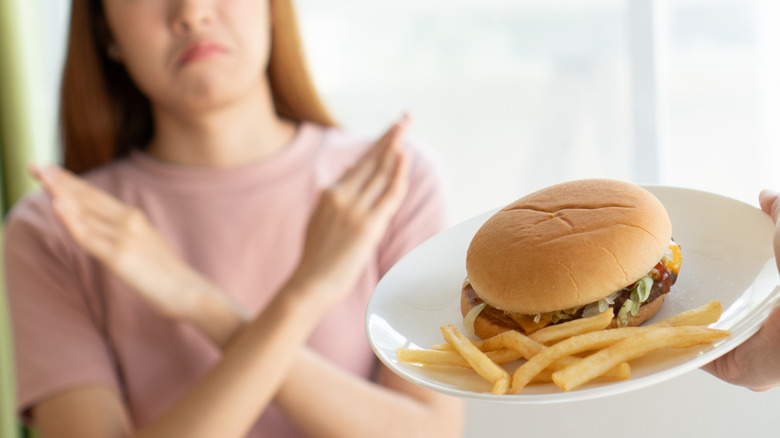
[(244, 131)]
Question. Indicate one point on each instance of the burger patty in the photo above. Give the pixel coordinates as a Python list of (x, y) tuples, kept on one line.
[(491, 313), (663, 280)]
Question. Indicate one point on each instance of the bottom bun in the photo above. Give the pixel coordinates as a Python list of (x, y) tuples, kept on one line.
[(491, 322), (647, 311)]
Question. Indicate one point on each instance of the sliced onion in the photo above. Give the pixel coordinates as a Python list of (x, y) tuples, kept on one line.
[(595, 308), (468, 321)]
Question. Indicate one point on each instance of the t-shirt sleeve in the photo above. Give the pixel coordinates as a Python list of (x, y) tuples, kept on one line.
[(423, 213), (56, 323)]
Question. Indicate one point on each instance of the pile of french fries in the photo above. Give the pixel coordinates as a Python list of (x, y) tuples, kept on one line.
[(555, 353)]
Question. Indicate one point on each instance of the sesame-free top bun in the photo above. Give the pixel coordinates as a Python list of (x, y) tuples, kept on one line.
[(567, 245)]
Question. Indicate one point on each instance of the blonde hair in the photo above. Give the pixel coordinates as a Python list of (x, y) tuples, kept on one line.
[(103, 114)]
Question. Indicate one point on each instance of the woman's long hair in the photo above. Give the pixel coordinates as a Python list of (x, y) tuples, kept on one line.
[(103, 114)]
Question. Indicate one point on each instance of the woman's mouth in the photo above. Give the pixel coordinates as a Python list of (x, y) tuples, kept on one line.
[(200, 50)]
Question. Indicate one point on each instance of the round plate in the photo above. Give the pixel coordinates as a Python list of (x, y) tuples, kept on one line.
[(727, 255)]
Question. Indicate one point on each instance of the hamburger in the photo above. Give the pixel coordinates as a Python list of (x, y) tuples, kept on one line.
[(569, 251)]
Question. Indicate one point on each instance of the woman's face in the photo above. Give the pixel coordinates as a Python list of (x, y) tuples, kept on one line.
[(192, 54)]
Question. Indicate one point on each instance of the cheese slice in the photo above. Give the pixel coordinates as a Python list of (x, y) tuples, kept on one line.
[(527, 323)]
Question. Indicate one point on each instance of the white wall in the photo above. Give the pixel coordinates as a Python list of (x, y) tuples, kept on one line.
[(514, 96), (511, 97), (694, 405)]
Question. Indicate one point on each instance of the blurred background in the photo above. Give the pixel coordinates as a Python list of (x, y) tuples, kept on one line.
[(515, 95)]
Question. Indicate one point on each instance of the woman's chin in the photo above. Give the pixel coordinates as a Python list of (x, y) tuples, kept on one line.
[(212, 93)]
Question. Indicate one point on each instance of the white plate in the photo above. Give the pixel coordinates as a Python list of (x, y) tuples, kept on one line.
[(727, 255)]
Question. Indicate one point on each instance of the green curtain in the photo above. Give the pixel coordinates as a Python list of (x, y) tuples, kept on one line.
[(3, 204), (8, 423), (19, 112), (25, 131)]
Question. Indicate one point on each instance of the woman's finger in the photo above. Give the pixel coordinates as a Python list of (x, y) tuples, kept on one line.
[(92, 211), (60, 183), (358, 176), (770, 203), (394, 191), (383, 179)]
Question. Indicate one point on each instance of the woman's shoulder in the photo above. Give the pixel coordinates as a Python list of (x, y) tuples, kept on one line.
[(33, 208), (107, 176), (31, 226)]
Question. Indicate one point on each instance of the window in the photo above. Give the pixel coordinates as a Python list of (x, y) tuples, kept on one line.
[(514, 96)]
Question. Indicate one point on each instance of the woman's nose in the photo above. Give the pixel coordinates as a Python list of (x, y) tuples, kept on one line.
[(192, 16)]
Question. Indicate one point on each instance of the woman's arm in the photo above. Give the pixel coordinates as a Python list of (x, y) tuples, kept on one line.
[(225, 402), (316, 392), (323, 399)]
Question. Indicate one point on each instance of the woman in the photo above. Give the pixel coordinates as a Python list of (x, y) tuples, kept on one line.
[(206, 272)]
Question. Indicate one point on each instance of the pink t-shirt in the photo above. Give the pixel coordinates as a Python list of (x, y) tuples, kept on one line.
[(75, 324)]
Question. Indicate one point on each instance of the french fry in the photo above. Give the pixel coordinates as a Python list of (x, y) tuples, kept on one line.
[(502, 356), (621, 371), (530, 348), (524, 374), (501, 386), (508, 339), (703, 315), (556, 332), (481, 363), (451, 358), (543, 377), (447, 347), (495, 342), (431, 357), (623, 351), (518, 342), (557, 362)]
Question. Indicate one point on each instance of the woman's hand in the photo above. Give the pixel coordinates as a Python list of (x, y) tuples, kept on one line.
[(353, 214), (123, 239), (755, 364)]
